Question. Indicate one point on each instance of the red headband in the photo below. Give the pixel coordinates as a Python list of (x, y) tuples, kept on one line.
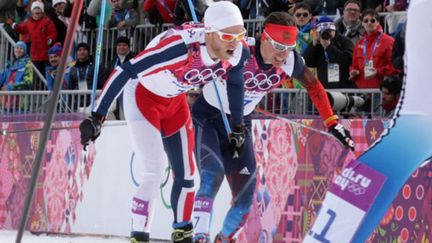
[(283, 34)]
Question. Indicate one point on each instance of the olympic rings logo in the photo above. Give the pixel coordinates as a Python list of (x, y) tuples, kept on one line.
[(356, 189), (196, 76), (260, 81)]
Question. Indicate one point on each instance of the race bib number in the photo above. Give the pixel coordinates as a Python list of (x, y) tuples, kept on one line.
[(346, 203), (333, 72)]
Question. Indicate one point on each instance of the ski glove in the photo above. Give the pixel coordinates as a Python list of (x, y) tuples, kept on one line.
[(236, 141), (343, 135), (90, 128)]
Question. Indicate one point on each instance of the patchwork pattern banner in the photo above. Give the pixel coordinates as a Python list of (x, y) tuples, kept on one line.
[(295, 166), (65, 169)]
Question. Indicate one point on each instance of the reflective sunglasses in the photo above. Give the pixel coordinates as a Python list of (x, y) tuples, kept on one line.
[(279, 46), (228, 37), (366, 20), (305, 15)]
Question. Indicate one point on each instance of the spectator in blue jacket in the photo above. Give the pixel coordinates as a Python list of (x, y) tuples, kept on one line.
[(54, 54), (17, 75), (122, 17), (305, 23)]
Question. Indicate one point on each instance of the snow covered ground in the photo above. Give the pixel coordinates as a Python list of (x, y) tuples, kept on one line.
[(9, 237)]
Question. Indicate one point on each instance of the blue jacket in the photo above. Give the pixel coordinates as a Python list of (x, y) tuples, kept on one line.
[(50, 73), (23, 72)]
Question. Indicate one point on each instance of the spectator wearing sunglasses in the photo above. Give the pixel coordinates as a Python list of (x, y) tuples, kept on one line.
[(331, 54), (372, 57), (305, 23), (273, 60), (350, 24)]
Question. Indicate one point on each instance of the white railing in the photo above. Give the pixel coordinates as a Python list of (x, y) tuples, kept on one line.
[(29, 102), (294, 102)]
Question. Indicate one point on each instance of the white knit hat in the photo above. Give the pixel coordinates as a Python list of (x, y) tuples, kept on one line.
[(37, 4), (221, 15), (54, 2)]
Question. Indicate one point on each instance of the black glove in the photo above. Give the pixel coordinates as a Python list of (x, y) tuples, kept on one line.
[(90, 128), (236, 141), (342, 135)]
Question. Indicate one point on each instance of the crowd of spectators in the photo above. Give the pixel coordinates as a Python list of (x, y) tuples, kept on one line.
[(342, 41)]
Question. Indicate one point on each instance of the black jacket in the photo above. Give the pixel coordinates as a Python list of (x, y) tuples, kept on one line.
[(354, 33), (399, 49), (340, 51), (183, 14), (112, 64)]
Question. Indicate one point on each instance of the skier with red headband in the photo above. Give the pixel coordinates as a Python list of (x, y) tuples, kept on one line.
[(273, 59)]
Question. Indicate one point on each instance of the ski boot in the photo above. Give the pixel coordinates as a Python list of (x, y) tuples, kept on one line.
[(140, 237), (183, 234)]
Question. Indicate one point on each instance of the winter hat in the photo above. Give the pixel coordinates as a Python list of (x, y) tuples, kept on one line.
[(221, 15), (56, 49), (37, 4), (123, 39), (325, 23), (54, 2), (83, 44), (23, 45)]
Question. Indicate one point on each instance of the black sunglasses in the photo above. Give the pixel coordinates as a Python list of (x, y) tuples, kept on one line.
[(372, 21), (305, 15)]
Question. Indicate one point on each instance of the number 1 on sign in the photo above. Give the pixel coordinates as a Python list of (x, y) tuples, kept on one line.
[(321, 236)]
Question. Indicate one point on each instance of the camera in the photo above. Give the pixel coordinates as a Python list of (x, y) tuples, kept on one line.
[(340, 101), (326, 34)]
